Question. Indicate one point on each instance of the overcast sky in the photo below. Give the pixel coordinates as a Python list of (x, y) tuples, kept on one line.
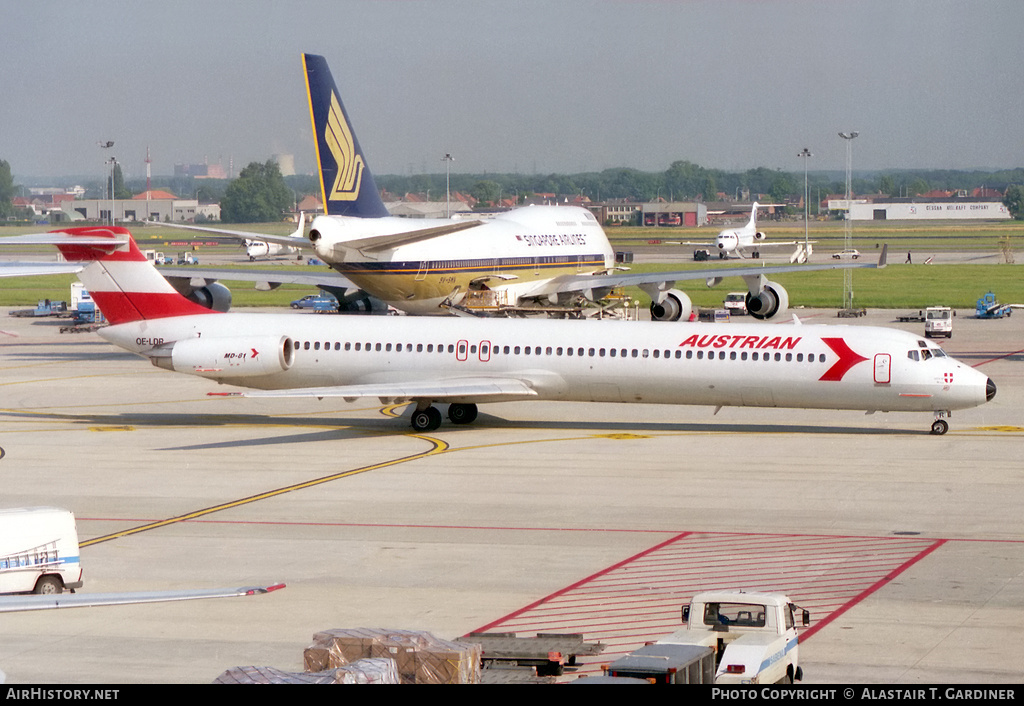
[(530, 86)]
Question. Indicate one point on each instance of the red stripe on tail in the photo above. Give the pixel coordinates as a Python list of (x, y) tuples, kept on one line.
[(123, 283)]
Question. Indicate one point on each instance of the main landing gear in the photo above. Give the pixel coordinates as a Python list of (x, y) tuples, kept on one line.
[(428, 418)]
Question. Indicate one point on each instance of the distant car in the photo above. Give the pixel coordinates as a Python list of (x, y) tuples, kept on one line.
[(736, 303), (317, 302), (852, 254)]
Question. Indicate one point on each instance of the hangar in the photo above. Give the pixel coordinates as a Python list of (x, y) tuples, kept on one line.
[(908, 209)]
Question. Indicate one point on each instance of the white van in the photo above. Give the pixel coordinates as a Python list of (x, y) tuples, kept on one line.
[(39, 551), (938, 322)]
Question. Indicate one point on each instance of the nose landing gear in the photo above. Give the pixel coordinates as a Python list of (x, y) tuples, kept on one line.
[(940, 426)]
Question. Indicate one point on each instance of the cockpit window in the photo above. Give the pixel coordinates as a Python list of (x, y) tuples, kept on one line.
[(913, 355)]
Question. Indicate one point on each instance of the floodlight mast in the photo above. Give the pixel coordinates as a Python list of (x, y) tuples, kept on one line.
[(805, 153), (107, 144), (847, 224), (448, 159)]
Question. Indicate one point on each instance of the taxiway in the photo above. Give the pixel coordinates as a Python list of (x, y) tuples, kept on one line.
[(908, 548)]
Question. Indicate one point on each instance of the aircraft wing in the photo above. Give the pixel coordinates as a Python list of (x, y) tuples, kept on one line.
[(372, 243), (292, 241), (375, 243), (271, 278), (573, 283), (776, 243), (393, 392), (25, 269), (14, 604), (752, 246)]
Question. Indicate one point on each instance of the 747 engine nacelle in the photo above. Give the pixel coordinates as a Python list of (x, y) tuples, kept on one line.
[(670, 305), (205, 292), (766, 299), (227, 357)]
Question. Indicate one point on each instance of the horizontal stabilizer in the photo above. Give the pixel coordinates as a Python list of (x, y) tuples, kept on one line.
[(60, 238)]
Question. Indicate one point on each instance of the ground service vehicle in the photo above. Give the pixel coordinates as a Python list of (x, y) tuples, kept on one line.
[(39, 551), (317, 302), (736, 303), (753, 634), (667, 664), (938, 321), (988, 307), (45, 307)]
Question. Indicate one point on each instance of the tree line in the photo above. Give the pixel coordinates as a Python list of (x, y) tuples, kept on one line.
[(685, 181), (260, 193)]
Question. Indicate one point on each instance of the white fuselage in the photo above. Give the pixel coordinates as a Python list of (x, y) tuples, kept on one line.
[(736, 240), (519, 253), (257, 249), (760, 365)]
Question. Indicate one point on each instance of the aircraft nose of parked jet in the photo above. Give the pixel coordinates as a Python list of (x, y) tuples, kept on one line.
[(990, 390)]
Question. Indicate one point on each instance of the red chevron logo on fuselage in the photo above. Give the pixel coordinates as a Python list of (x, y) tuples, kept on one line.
[(847, 359)]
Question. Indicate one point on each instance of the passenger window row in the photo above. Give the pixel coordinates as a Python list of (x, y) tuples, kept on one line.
[(485, 349)]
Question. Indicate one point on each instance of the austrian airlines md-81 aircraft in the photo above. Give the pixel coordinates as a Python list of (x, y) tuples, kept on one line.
[(464, 362)]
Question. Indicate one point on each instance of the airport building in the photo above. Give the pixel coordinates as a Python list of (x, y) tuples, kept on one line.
[(923, 209), (147, 206), (674, 213)]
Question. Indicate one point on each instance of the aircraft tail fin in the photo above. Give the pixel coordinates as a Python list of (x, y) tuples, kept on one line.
[(752, 223), (346, 183), (123, 283)]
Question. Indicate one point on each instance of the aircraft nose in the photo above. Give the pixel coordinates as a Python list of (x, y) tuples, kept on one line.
[(990, 390)]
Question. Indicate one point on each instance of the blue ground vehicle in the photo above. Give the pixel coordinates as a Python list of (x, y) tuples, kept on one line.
[(989, 308), (317, 302)]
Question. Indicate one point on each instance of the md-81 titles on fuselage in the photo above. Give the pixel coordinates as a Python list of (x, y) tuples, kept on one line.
[(463, 363), (533, 258)]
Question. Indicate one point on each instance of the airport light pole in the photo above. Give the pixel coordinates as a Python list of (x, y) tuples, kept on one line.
[(106, 145), (805, 153), (448, 159), (113, 163), (847, 224)]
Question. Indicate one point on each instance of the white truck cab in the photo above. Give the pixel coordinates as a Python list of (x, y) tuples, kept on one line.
[(736, 303), (938, 321), (754, 634), (39, 551)]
